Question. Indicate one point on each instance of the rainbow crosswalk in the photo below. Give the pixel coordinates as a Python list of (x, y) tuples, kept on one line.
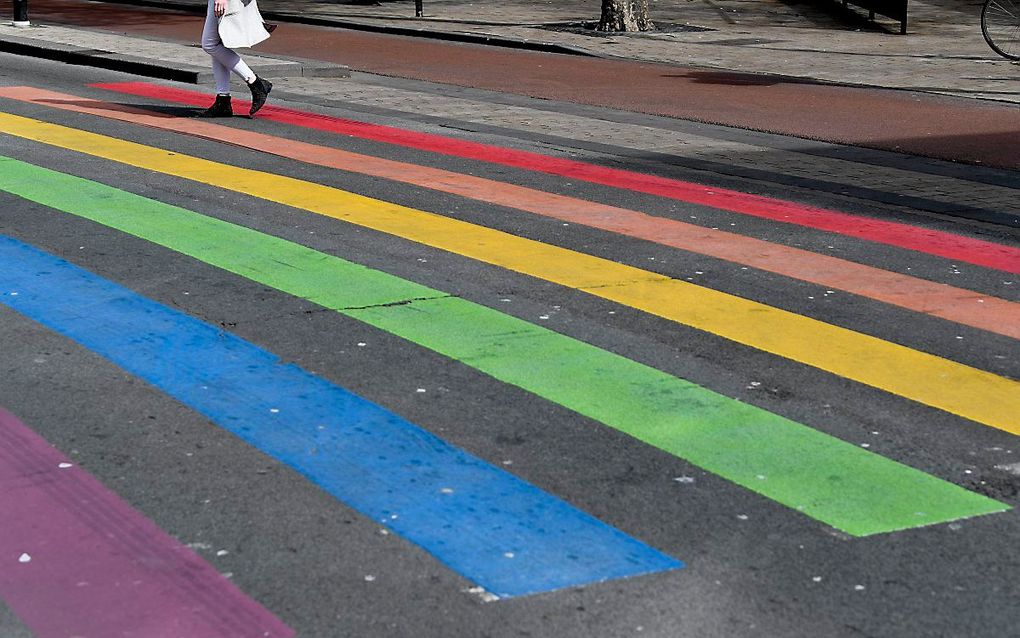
[(524, 540)]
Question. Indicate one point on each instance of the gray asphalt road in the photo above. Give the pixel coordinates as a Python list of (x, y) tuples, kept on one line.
[(753, 567)]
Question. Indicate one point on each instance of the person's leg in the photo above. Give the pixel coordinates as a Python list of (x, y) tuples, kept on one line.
[(225, 61), (221, 74)]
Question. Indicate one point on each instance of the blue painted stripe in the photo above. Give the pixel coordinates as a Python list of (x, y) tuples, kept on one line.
[(496, 530)]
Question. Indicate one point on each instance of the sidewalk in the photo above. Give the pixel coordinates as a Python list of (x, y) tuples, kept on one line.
[(166, 59), (943, 51)]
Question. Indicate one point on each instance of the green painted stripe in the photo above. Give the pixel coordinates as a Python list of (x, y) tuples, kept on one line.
[(828, 479)]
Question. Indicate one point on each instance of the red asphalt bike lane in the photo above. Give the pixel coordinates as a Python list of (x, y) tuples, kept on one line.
[(973, 131)]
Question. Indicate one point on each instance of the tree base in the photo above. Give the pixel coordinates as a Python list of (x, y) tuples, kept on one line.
[(624, 27), (624, 16)]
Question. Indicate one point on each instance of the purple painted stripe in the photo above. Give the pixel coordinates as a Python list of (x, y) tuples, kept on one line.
[(76, 560)]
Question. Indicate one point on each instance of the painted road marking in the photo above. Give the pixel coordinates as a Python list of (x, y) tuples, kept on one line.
[(965, 307), (76, 560), (467, 513), (821, 476), (928, 379), (932, 242)]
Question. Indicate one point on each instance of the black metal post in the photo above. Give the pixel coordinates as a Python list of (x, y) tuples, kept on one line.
[(21, 13), (418, 11)]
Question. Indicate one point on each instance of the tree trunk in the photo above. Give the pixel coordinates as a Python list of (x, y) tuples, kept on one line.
[(624, 15)]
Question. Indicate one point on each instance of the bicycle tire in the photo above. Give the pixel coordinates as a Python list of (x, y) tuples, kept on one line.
[(1000, 25)]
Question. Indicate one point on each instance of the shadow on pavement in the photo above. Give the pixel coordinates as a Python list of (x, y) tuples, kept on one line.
[(737, 79)]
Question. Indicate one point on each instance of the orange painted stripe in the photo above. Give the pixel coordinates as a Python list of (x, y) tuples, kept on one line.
[(950, 246), (935, 299)]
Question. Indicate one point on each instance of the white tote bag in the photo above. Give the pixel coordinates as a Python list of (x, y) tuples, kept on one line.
[(242, 25)]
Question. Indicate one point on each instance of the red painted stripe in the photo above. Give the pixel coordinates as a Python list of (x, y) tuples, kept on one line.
[(933, 242), (76, 560)]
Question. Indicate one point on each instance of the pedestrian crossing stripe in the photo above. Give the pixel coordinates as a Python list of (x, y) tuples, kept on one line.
[(833, 481), (495, 529), (928, 379), (113, 571), (923, 240), (962, 306)]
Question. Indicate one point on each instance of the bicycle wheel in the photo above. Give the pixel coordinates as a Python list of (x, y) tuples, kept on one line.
[(1000, 24)]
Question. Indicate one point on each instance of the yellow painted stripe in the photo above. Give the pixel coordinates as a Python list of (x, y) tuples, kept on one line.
[(959, 389)]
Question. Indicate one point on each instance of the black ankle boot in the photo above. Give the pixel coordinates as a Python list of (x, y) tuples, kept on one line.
[(220, 108), (259, 92)]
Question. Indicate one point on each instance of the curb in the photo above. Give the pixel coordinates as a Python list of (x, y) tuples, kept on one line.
[(161, 69), (81, 56), (356, 25)]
